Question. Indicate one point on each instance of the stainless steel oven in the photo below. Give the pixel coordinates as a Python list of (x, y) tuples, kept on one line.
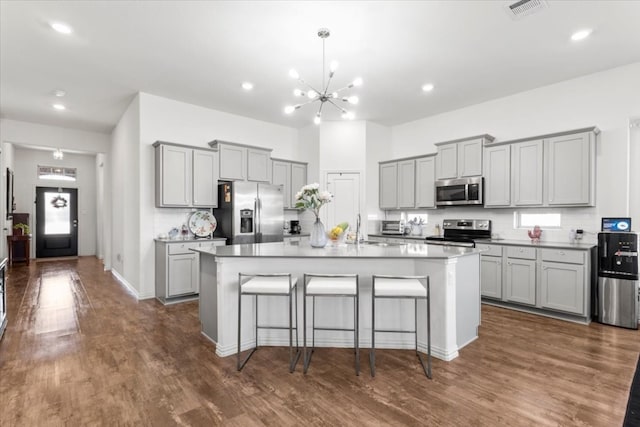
[(463, 191)]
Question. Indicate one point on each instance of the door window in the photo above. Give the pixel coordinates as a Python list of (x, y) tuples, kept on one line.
[(57, 213)]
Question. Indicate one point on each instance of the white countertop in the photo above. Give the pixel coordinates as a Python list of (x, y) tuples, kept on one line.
[(191, 239), (283, 250), (543, 244)]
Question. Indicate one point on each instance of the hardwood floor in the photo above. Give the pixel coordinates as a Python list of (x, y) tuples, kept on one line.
[(80, 350)]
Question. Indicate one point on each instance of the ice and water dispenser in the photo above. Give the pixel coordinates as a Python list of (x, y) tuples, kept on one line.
[(246, 221)]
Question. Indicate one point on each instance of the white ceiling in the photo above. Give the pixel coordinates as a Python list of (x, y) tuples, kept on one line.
[(200, 52)]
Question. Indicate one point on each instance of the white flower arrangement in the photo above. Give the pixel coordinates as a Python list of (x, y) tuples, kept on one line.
[(310, 197)]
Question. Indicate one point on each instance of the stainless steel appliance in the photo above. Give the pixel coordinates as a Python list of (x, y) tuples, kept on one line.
[(249, 212), (462, 232), (393, 227), (463, 191), (618, 279)]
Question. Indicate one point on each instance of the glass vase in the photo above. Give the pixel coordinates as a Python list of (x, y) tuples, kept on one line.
[(318, 237)]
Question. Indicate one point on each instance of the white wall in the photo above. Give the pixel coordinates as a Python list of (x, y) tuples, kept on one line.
[(26, 180), (634, 173), (125, 199), (6, 161), (168, 120), (607, 100), (378, 149)]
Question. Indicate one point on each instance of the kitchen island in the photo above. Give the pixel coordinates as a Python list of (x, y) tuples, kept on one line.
[(455, 292)]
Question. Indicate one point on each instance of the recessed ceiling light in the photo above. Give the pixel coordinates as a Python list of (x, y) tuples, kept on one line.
[(247, 86), (428, 87), (61, 28), (580, 35), (59, 93), (59, 107)]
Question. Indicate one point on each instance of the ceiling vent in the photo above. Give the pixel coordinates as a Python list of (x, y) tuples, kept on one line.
[(522, 8)]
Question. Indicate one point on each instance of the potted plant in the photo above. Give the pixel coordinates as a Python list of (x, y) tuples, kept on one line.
[(21, 229)]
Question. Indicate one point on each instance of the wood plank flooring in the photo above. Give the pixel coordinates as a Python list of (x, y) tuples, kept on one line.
[(80, 350)]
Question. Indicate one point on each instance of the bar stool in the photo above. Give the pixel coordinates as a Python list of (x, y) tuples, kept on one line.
[(278, 284), (401, 287), (329, 285)]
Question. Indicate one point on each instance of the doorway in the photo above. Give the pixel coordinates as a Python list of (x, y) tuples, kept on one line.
[(56, 222), (345, 187)]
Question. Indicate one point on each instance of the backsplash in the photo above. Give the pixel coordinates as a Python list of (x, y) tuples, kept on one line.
[(502, 221)]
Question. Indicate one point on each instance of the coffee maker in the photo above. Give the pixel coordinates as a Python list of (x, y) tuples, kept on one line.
[(294, 227)]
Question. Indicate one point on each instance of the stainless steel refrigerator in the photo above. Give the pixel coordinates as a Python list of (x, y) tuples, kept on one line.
[(249, 212), (618, 279)]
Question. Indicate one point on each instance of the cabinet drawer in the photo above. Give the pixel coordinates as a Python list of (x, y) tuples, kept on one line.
[(490, 250), (522, 253), (563, 255), (181, 248)]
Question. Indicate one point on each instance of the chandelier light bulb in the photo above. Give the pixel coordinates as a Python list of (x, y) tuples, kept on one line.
[(353, 100), (289, 109), (334, 95), (348, 115), (317, 120), (312, 94), (298, 92), (294, 74), (357, 82), (333, 66)]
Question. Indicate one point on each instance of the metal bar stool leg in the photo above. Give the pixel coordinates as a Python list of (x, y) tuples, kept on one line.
[(372, 352)]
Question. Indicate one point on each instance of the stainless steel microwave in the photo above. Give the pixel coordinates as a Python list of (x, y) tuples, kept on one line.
[(463, 191)]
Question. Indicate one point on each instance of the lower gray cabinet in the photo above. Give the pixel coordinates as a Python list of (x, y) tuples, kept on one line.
[(521, 281), (491, 276), (177, 268), (563, 287)]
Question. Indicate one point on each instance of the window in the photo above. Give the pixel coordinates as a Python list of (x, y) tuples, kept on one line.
[(56, 173), (531, 219)]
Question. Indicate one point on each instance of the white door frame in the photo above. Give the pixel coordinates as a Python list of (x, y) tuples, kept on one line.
[(361, 189)]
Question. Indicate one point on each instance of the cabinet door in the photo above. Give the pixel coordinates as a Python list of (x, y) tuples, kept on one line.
[(521, 281), (425, 182), (407, 184), (298, 180), (491, 276), (281, 175), (388, 186), (258, 165), (526, 163), (183, 274), (568, 160), (563, 287), (497, 176), (175, 179), (205, 178), (233, 162), (470, 158), (447, 161)]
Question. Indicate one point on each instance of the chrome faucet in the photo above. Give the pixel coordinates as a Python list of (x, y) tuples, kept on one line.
[(358, 237)]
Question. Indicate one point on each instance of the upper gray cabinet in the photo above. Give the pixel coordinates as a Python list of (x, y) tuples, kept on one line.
[(549, 170), (570, 161), (292, 176), (407, 183), (460, 158), (240, 162), (185, 176)]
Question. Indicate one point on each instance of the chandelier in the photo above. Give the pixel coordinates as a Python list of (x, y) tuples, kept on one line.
[(324, 95), (58, 154)]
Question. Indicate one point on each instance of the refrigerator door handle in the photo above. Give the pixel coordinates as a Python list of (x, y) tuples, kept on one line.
[(256, 222)]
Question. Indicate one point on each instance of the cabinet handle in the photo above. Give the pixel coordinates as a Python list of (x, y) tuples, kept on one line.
[(521, 250), (509, 263), (561, 252)]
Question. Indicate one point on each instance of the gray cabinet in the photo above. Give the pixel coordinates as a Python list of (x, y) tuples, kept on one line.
[(177, 268), (239, 162), (388, 189), (526, 169), (521, 275), (425, 182), (406, 184), (497, 176), (460, 158), (570, 161), (3, 296), (563, 281), (490, 271), (185, 176), (292, 176)]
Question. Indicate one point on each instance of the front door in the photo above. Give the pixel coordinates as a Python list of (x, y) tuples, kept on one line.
[(345, 207), (56, 222)]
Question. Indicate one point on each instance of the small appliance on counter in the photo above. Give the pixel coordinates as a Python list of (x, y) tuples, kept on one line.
[(294, 227), (617, 295), (393, 227)]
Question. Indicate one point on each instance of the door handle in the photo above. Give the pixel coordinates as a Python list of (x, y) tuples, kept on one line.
[(75, 222)]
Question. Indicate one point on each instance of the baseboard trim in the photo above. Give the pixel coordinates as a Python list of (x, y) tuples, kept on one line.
[(124, 283)]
